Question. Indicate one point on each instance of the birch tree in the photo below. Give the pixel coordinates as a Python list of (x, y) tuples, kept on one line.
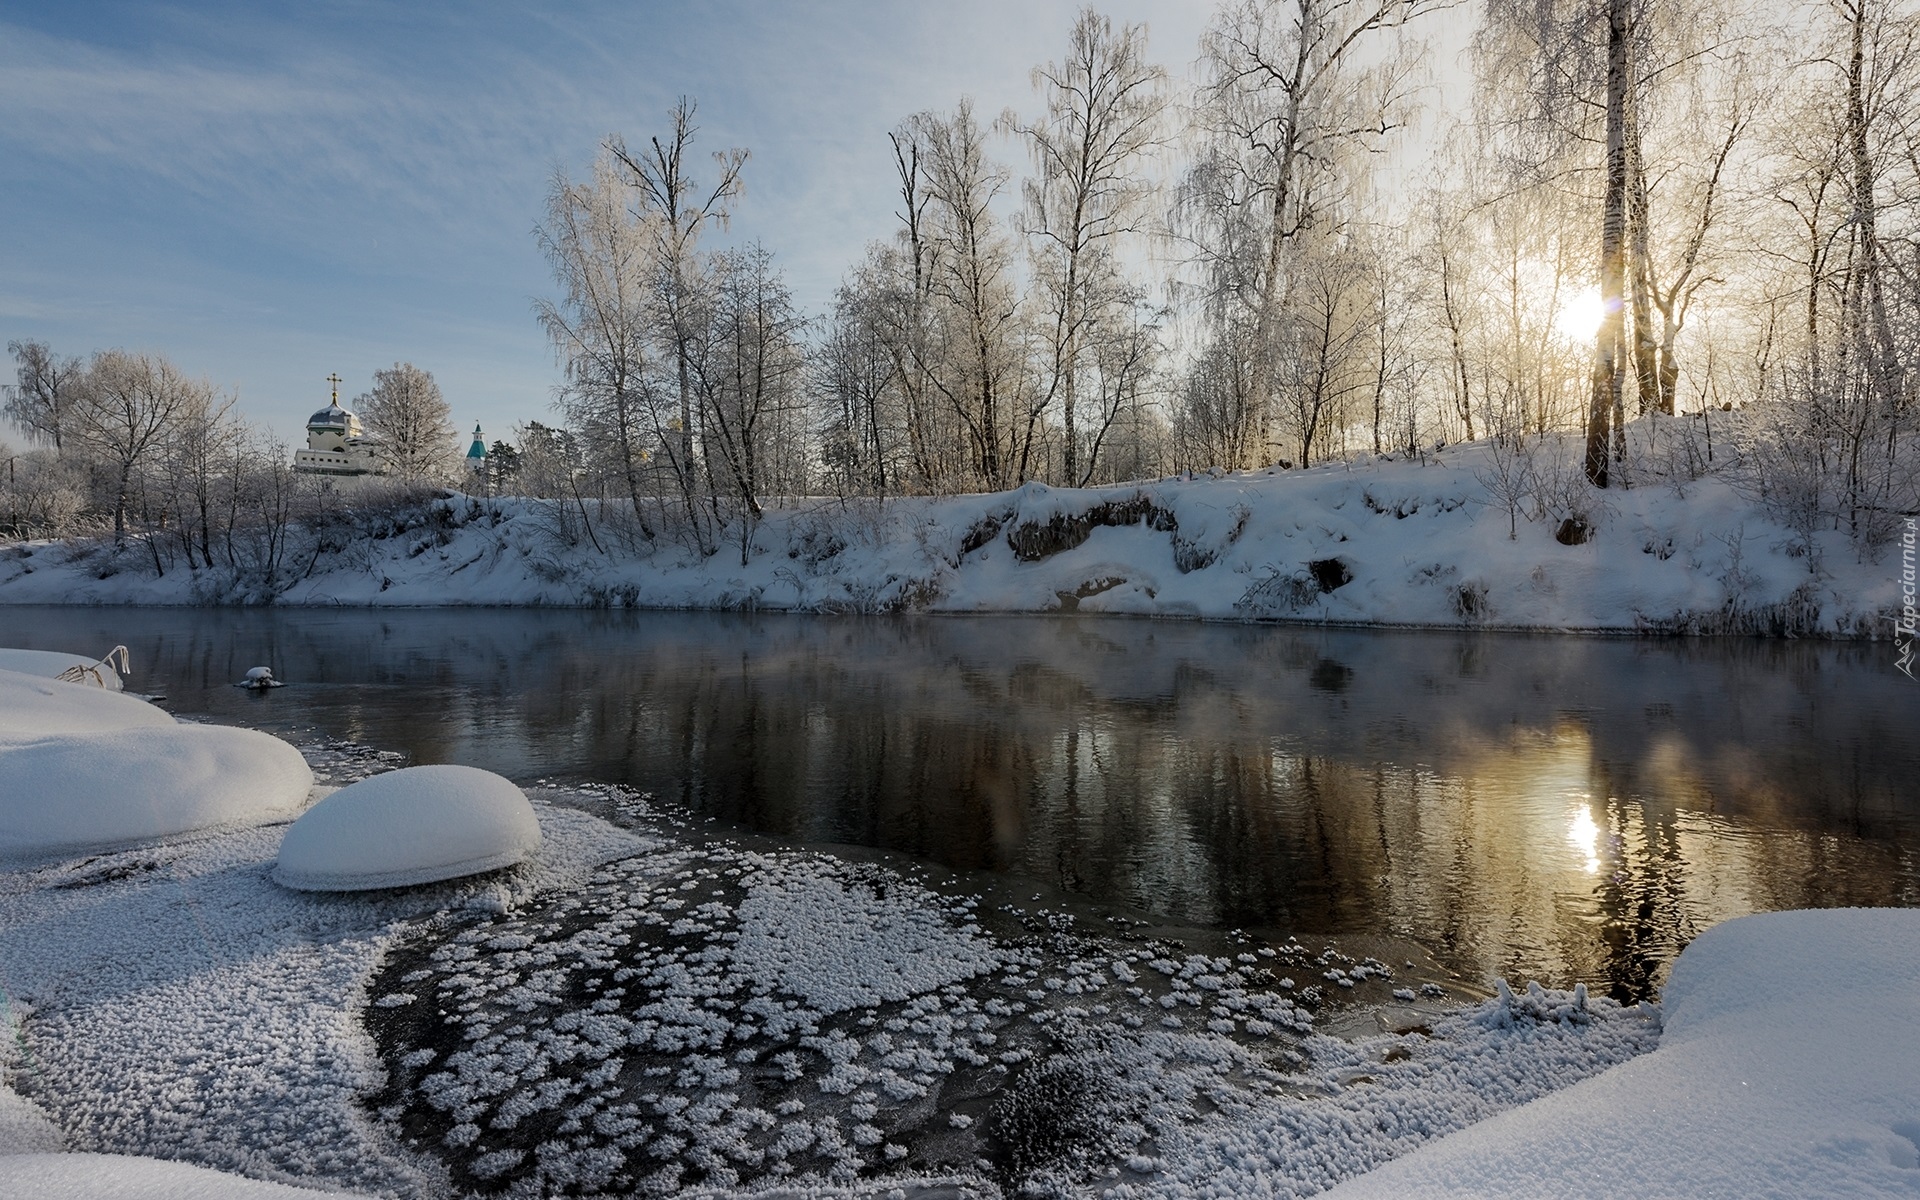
[(974, 360), (1102, 110), (41, 398), (1285, 102), (601, 255), (675, 209)]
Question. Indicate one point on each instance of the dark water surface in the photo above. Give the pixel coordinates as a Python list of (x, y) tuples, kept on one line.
[(1561, 808)]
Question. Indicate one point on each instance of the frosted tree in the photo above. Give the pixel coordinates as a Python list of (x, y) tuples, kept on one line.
[(197, 463), (1102, 114), (973, 358), (602, 255), (124, 414), (854, 381), (413, 421), (748, 372), (1572, 91), (675, 210), (41, 398), (1840, 372), (1291, 92)]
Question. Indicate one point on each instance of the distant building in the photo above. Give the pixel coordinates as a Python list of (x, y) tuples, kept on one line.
[(477, 457), (336, 445)]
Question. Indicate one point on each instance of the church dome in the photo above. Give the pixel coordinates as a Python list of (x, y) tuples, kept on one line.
[(330, 417)]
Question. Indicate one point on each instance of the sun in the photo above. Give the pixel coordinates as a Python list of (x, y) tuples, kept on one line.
[(1580, 316)]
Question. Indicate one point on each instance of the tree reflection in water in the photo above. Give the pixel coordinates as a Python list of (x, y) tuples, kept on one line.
[(1282, 779)]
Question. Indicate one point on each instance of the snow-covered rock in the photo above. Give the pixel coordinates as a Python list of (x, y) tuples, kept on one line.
[(1789, 1067), (126, 1177), (49, 663), (85, 792), (33, 706), (259, 679), (415, 825)]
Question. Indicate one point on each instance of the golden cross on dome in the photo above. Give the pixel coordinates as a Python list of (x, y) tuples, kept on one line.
[(335, 380)]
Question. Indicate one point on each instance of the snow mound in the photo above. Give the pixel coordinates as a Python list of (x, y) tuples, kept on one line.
[(124, 1177), (32, 706), (49, 663), (1788, 1067), (416, 825), (86, 792)]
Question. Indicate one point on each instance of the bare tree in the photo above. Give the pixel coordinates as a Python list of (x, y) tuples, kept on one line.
[(1126, 369), (1212, 419), (195, 462), (748, 376), (1284, 103), (126, 410), (974, 360), (40, 400), (675, 210), (602, 257), (854, 380), (415, 424), (1325, 348), (1103, 105)]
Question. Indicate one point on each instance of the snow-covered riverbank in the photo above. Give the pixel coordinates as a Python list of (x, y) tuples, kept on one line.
[(1411, 542), (1789, 1067)]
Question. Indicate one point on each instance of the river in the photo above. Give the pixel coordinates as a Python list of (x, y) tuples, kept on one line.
[(1561, 808)]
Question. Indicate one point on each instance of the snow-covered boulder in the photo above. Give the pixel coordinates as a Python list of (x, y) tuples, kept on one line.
[(49, 663), (34, 706), (415, 825), (82, 792)]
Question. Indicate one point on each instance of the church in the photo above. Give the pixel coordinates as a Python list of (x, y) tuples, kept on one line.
[(336, 445)]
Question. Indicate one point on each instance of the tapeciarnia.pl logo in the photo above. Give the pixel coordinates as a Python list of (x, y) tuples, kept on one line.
[(1907, 629)]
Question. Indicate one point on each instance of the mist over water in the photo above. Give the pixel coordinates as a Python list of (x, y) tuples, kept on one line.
[(1553, 807)]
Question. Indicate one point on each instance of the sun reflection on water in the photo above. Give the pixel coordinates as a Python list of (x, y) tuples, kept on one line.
[(1585, 836)]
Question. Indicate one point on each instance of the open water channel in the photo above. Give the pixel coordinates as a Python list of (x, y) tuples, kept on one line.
[(1563, 808)]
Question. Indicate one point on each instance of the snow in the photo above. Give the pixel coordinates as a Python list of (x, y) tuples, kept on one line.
[(89, 792), (658, 1015), (125, 1177), (179, 1004), (24, 1129), (1414, 542), (50, 663), (1789, 1067), (411, 826), (32, 706), (838, 949), (83, 769)]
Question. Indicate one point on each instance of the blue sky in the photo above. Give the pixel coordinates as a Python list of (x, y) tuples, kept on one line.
[(271, 192)]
